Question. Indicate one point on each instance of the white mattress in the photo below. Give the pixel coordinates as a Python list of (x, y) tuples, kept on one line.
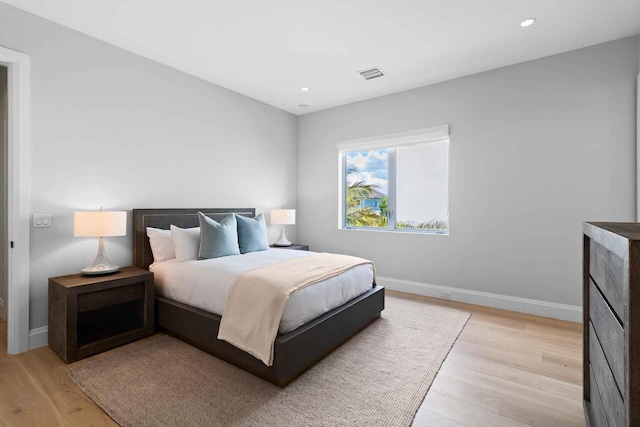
[(205, 284)]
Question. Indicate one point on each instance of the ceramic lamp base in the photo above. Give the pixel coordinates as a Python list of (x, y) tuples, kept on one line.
[(282, 240), (101, 264)]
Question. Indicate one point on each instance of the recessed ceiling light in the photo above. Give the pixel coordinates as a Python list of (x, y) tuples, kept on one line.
[(305, 89), (527, 22), (302, 105)]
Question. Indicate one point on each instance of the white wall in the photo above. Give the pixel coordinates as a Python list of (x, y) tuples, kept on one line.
[(536, 149), (113, 129), (3, 193)]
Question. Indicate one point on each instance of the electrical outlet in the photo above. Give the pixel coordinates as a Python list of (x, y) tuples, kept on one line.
[(445, 294)]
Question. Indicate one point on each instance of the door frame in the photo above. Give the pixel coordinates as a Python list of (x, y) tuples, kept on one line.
[(18, 197)]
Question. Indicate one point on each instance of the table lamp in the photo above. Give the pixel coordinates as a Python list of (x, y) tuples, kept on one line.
[(100, 224), (283, 217)]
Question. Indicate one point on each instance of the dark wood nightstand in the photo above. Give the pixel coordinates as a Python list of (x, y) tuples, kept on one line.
[(294, 246), (92, 314)]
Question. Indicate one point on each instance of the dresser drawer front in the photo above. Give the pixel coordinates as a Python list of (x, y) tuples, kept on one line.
[(607, 270), (605, 384), (598, 417), (610, 333)]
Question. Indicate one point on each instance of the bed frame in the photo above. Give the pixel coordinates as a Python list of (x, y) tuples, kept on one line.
[(294, 352)]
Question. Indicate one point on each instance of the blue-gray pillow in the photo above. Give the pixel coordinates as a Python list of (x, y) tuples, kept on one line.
[(218, 239), (252, 234)]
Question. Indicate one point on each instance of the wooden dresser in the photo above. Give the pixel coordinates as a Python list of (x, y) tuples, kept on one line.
[(611, 299)]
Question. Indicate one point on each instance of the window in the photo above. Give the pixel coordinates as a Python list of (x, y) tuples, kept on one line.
[(396, 182)]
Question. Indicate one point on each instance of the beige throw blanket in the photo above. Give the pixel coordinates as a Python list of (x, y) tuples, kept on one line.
[(257, 298)]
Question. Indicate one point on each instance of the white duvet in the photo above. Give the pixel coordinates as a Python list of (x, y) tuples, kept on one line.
[(205, 284)]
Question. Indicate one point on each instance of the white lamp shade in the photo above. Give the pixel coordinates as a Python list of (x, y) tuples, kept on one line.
[(99, 224), (283, 216)]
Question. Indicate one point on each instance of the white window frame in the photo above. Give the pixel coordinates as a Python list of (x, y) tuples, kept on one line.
[(389, 142)]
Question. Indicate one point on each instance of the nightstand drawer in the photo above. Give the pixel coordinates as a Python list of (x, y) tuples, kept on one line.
[(120, 295)]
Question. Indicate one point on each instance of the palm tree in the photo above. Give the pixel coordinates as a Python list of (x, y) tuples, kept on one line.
[(434, 224), (357, 216), (384, 206), (358, 190)]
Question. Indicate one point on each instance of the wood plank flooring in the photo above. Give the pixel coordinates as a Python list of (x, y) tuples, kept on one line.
[(506, 369)]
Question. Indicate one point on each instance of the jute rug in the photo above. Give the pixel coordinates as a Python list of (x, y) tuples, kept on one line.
[(377, 378)]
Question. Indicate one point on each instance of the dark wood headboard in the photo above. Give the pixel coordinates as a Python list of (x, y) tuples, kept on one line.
[(163, 218)]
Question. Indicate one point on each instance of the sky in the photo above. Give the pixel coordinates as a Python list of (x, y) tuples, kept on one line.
[(372, 168)]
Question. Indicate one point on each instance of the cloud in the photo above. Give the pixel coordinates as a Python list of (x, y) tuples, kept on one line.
[(372, 168), (369, 160)]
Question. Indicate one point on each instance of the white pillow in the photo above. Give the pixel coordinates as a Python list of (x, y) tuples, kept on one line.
[(186, 242), (161, 244)]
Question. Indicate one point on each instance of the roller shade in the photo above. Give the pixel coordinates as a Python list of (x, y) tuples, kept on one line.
[(412, 137)]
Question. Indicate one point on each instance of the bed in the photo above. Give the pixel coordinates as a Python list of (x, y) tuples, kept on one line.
[(297, 347)]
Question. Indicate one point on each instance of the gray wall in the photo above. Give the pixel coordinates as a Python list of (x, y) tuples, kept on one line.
[(112, 129), (3, 192), (536, 149)]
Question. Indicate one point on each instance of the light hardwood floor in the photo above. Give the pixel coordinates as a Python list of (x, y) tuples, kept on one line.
[(506, 369)]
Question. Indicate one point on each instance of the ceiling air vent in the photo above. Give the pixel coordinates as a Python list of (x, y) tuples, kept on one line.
[(371, 73)]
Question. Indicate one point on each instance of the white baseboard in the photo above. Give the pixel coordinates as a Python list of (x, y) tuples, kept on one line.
[(38, 337), (572, 313)]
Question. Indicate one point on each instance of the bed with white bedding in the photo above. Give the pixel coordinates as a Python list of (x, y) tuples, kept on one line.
[(205, 284), (191, 297)]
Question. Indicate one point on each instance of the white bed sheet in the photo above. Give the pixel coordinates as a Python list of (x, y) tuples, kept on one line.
[(205, 284)]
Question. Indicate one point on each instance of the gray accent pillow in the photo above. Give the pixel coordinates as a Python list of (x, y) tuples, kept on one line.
[(252, 234), (218, 239)]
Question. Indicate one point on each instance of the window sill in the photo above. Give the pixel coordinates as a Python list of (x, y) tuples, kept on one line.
[(399, 231)]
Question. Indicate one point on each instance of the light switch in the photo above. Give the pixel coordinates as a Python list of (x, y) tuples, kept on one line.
[(41, 220)]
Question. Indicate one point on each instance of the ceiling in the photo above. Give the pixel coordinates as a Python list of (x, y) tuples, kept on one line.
[(269, 50)]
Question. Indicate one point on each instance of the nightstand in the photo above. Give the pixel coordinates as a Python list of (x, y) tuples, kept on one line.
[(294, 246), (92, 314)]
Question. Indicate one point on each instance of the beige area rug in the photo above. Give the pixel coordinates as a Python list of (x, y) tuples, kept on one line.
[(377, 378)]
